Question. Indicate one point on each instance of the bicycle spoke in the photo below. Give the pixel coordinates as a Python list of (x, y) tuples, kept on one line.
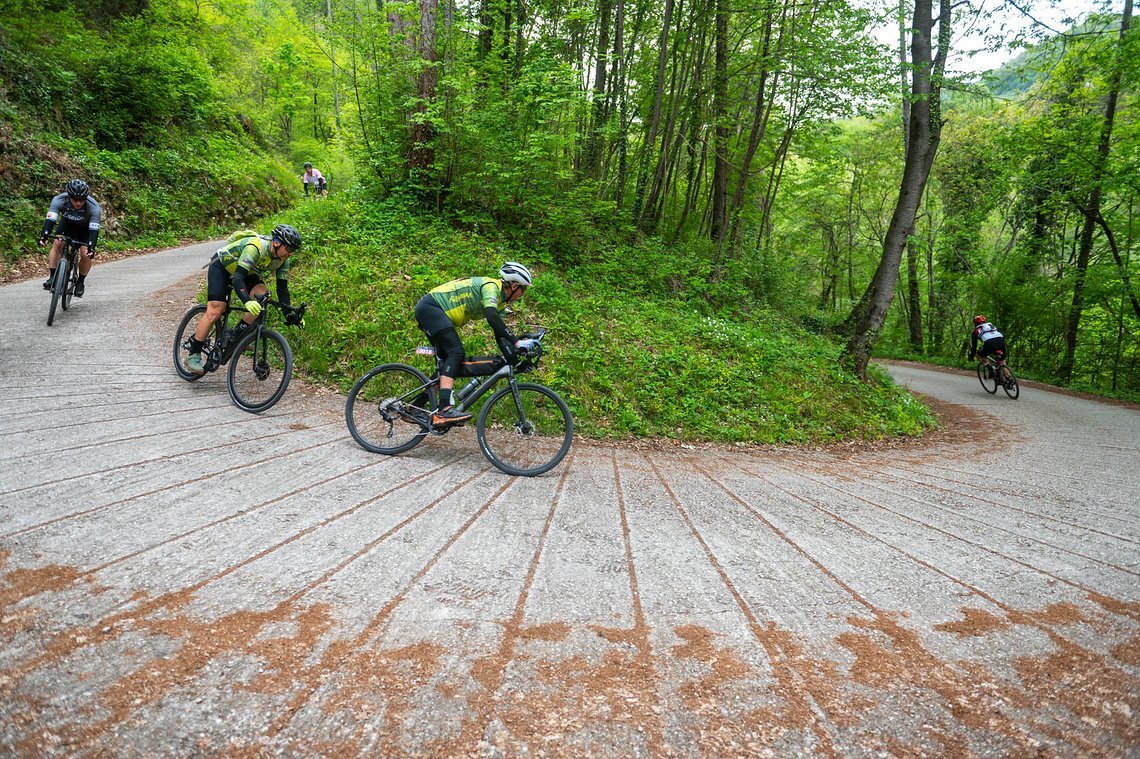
[(260, 370), (528, 434), (388, 409)]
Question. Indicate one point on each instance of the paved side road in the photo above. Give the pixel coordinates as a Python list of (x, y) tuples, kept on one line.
[(169, 586)]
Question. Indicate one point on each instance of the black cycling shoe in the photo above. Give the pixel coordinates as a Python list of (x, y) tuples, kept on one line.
[(78, 290), (49, 283)]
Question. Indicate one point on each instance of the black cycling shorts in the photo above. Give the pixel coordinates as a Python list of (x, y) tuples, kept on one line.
[(218, 282), (441, 332), (993, 345)]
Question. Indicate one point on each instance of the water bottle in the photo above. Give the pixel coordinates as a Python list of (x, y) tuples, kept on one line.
[(466, 390)]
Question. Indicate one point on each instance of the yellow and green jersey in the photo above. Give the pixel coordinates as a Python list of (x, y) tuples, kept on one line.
[(255, 255), (465, 299)]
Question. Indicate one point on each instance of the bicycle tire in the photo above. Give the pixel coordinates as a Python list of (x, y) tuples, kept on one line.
[(57, 288), (529, 445), (260, 370), (185, 331), (377, 416), (1012, 389), (988, 382), (69, 284)]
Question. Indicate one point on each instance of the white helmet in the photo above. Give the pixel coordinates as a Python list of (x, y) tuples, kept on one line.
[(513, 272)]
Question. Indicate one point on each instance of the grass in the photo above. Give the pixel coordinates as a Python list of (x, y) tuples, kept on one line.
[(630, 363)]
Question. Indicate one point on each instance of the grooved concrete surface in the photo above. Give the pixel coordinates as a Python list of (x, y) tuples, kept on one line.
[(180, 578)]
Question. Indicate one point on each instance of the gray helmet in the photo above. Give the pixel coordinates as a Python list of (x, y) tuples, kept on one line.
[(514, 272), (308, 165), (77, 189), (287, 235)]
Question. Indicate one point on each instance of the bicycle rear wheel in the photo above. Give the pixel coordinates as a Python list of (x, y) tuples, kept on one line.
[(1012, 389), (182, 335), (58, 288), (260, 370), (389, 409), (527, 437), (987, 377)]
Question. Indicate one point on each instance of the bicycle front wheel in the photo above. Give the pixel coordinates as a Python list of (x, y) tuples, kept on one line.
[(69, 284), (389, 409), (527, 433), (987, 377), (260, 370), (1012, 389), (58, 288), (182, 335)]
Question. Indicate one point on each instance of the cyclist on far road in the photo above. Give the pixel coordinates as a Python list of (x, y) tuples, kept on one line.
[(314, 178), (452, 305), (992, 341), (246, 259), (78, 215)]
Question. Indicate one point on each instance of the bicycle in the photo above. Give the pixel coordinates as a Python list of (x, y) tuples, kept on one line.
[(66, 276), (260, 359), (992, 371), (524, 428)]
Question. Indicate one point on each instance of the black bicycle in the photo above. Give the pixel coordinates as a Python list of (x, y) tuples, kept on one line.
[(260, 359), (66, 276), (523, 429), (994, 371)]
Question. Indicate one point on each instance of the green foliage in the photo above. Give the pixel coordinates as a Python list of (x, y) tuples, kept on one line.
[(627, 353)]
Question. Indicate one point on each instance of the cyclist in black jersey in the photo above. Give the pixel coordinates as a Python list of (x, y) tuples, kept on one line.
[(455, 303), (79, 216)]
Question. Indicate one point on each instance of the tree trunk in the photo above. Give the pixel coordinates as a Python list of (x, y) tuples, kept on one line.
[(649, 148), (914, 303), (868, 315), (1092, 209), (593, 157), (720, 126), (421, 154), (619, 84)]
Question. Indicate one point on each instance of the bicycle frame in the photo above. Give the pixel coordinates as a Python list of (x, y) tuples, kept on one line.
[(467, 396), (223, 349)]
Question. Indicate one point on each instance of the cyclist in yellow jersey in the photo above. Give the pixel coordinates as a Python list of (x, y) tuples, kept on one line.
[(242, 265), (454, 304)]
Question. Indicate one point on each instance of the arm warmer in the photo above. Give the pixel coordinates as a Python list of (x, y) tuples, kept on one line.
[(239, 285), (498, 326), (283, 291), (49, 226)]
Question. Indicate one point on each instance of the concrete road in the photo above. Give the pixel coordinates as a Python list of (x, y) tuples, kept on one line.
[(180, 578)]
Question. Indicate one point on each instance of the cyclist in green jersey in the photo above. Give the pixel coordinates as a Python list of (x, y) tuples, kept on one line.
[(452, 305), (242, 264)]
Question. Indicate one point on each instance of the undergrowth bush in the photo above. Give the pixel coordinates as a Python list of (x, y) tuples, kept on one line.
[(635, 355)]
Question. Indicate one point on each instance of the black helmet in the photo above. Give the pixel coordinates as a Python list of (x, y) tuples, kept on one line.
[(308, 165), (287, 235), (77, 188)]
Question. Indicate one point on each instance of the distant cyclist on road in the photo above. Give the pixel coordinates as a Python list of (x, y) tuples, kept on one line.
[(993, 343), (454, 304), (314, 178), (78, 215), (242, 264)]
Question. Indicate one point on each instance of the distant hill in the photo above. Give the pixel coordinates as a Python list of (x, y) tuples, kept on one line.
[(1017, 76)]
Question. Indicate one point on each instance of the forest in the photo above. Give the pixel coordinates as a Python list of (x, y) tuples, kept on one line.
[(735, 171)]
